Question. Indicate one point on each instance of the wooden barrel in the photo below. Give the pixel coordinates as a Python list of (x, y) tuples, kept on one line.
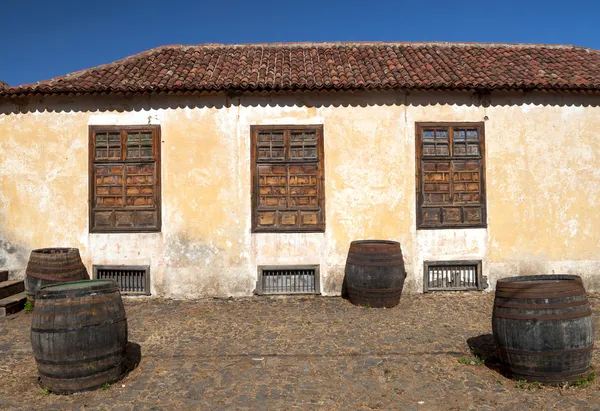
[(48, 266), (375, 273), (543, 328), (78, 335)]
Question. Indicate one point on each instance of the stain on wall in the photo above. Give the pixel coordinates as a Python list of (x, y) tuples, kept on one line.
[(13, 257), (543, 185)]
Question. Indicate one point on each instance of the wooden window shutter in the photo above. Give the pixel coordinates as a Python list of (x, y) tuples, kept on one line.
[(450, 165), (287, 179), (124, 179)]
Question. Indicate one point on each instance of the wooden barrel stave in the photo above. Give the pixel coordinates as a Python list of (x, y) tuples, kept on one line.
[(56, 263), (375, 273), (91, 382), (543, 328), (34, 284), (79, 337)]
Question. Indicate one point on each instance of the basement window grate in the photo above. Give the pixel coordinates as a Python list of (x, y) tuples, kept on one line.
[(452, 276), (287, 280), (131, 279)]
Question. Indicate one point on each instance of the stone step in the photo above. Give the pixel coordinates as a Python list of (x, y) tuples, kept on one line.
[(12, 304), (3, 275), (8, 288)]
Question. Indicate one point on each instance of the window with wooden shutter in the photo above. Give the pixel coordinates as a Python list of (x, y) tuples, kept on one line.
[(450, 175), (287, 179), (124, 179)]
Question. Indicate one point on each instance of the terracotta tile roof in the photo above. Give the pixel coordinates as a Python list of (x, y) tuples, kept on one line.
[(3, 85), (335, 66)]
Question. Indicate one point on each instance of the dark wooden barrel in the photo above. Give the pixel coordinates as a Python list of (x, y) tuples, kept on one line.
[(78, 335), (375, 273), (49, 266), (543, 328)]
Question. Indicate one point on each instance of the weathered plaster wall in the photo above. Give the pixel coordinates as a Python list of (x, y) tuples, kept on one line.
[(543, 186)]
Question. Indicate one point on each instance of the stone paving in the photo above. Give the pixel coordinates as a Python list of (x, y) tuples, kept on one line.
[(298, 353)]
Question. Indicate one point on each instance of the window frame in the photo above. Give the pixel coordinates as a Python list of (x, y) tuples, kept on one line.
[(156, 160), (419, 126), (254, 130)]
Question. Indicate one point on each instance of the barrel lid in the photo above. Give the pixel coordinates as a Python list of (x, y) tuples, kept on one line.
[(375, 243), (548, 278), (77, 288), (540, 286), (56, 250)]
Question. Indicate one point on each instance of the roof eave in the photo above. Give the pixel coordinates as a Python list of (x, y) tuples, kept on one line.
[(247, 90)]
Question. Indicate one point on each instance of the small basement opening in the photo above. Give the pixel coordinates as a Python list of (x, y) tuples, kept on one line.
[(286, 280), (132, 280), (452, 276)]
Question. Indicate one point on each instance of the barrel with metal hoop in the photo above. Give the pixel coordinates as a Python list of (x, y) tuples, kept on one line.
[(543, 328), (375, 273), (49, 266), (78, 335)]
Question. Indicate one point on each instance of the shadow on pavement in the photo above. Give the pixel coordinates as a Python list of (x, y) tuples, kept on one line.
[(484, 347), (133, 357)]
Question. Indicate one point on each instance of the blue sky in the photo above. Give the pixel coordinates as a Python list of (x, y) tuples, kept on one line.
[(42, 39)]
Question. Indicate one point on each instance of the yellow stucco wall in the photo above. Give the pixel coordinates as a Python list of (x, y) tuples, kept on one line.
[(542, 182)]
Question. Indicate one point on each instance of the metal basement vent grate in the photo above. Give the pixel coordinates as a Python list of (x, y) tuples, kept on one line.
[(452, 276), (131, 279), (288, 280)]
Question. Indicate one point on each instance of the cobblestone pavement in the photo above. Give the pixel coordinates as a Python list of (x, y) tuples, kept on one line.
[(297, 353)]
